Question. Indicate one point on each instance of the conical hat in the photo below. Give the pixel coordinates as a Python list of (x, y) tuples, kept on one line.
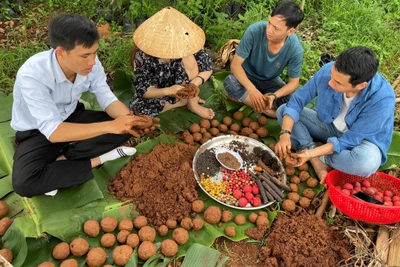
[(169, 34)]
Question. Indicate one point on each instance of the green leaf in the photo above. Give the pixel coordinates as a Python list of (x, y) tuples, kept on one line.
[(393, 153), (201, 256), (7, 149), (5, 107), (123, 87)]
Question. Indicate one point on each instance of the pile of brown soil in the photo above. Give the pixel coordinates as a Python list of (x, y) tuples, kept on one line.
[(301, 239), (161, 182)]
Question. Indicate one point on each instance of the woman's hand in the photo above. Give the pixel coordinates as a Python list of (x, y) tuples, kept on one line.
[(297, 159), (173, 90), (257, 99)]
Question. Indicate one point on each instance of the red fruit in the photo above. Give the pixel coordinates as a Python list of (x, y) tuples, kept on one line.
[(387, 199), (366, 183), (363, 189), (396, 203), (353, 192), (395, 198), (378, 197), (338, 188), (243, 202), (388, 193), (237, 194), (257, 202), (370, 191), (389, 203), (347, 186), (255, 190), (346, 192), (247, 188), (357, 184), (249, 196), (358, 189), (379, 193)]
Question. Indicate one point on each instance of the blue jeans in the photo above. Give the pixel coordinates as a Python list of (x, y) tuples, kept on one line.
[(363, 160), (237, 91)]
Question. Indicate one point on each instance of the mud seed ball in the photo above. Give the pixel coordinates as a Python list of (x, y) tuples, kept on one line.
[(212, 214), (180, 235), (289, 205), (79, 247), (205, 124), (121, 254), (108, 240), (108, 224), (146, 250), (252, 217), (227, 121), (169, 248), (147, 233), (186, 223), (69, 263), (125, 224), (197, 224), (162, 230), (91, 228), (235, 127), (262, 221), (238, 115), (140, 221), (61, 251), (122, 236), (96, 257), (308, 193), (304, 202), (294, 196), (240, 219), (47, 264), (226, 216), (7, 254), (262, 120), (171, 223), (194, 128), (198, 206), (230, 231), (133, 240)]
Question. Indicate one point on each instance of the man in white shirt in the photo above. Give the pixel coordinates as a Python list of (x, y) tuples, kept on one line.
[(59, 142)]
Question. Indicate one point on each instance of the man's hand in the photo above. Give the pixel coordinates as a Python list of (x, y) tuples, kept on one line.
[(127, 124), (269, 100), (257, 99), (283, 147), (297, 159)]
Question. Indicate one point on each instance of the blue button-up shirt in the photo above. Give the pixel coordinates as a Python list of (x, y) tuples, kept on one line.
[(44, 97), (370, 115)]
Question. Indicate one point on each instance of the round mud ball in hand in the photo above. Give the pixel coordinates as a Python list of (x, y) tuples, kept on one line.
[(3, 208), (79, 247), (240, 219), (238, 115), (121, 254), (133, 240), (47, 264), (262, 120), (262, 221), (223, 128), (197, 224), (108, 240), (312, 182), (235, 127), (205, 124), (198, 206), (308, 193), (125, 224), (7, 254), (246, 131), (5, 223), (227, 121), (214, 123), (288, 205), (304, 175), (226, 216), (294, 187), (69, 263), (197, 137), (147, 233), (61, 251), (169, 248), (246, 122), (294, 196), (171, 223), (254, 136), (91, 228), (108, 224), (146, 250), (194, 128), (96, 257), (295, 180), (230, 231), (180, 235), (254, 126), (262, 132), (303, 167), (212, 214), (162, 230), (252, 217), (140, 221), (186, 223), (304, 202), (122, 236)]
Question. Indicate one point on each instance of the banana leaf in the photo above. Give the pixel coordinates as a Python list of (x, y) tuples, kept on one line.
[(5, 107), (7, 149), (393, 153)]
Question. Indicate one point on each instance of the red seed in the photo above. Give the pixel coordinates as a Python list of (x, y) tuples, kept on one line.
[(257, 202), (366, 183), (243, 202)]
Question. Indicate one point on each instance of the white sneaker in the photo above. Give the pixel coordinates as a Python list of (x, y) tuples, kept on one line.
[(52, 193)]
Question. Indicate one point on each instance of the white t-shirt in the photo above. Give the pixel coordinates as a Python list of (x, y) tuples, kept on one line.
[(339, 122)]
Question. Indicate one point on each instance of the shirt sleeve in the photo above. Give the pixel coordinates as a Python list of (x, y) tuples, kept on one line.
[(203, 60), (246, 43), (100, 87), (144, 73), (40, 104)]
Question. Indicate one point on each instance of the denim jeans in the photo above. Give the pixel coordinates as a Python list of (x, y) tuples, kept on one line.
[(364, 159), (237, 91)]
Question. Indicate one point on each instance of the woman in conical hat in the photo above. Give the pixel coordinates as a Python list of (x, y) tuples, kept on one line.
[(170, 54)]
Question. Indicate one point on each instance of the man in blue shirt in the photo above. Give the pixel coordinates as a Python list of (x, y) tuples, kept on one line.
[(59, 141), (353, 117), (265, 50)]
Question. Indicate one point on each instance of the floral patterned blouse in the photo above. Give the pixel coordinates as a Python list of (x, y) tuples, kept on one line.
[(154, 72)]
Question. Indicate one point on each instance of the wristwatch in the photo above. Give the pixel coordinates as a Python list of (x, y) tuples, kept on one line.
[(285, 131)]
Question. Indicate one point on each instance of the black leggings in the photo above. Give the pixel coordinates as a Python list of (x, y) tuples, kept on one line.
[(36, 170)]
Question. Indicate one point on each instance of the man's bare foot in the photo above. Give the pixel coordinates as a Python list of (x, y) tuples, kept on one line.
[(270, 113), (321, 169), (205, 113), (201, 101), (61, 157)]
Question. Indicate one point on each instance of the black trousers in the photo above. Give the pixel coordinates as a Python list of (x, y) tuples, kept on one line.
[(36, 170)]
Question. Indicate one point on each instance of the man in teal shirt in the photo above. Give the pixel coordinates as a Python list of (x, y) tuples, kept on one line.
[(265, 50)]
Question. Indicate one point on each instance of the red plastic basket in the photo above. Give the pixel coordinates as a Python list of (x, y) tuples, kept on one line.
[(361, 210)]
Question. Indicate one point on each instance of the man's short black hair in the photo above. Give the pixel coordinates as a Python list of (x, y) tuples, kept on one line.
[(69, 30), (359, 62), (291, 12)]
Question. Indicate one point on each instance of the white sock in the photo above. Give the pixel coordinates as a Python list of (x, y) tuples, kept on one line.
[(52, 193), (117, 153)]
